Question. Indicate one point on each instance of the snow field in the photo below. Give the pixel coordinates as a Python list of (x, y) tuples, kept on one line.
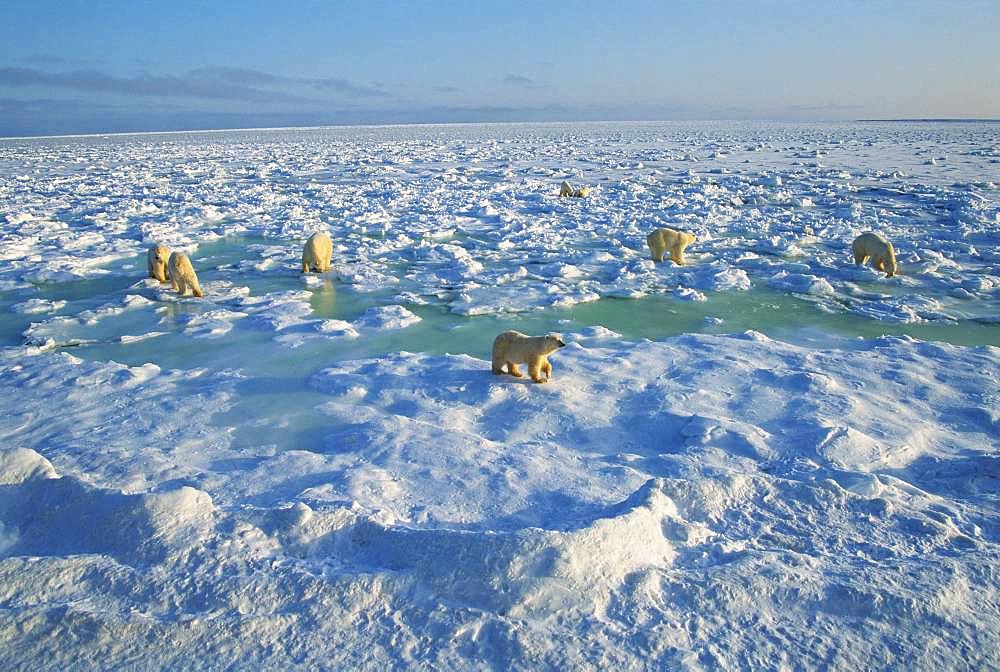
[(685, 503), (320, 471)]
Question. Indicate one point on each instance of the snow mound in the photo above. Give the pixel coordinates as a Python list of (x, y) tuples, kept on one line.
[(23, 464), (385, 317), (63, 516)]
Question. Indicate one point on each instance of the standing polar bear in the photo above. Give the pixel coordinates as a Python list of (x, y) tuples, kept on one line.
[(317, 252), (566, 189), (662, 241), (874, 246), (182, 274), (512, 347), (156, 262)]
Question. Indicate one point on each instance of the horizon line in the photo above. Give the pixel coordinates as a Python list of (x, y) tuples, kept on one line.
[(309, 127)]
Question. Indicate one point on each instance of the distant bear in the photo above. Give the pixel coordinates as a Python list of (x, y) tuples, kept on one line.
[(662, 241), (317, 252), (566, 189), (182, 274), (880, 251), (156, 262), (512, 347)]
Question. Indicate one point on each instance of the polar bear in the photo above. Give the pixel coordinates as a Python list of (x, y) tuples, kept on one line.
[(566, 189), (662, 241), (880, 251), (182, 274), (156, 262), (512, 347), (317, 252)]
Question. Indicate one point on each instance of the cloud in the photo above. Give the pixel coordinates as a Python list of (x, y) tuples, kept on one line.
[(207, 83), (345, 87), (167, 86), (248, 77), (242, 76), (446, 89), (520, 80)]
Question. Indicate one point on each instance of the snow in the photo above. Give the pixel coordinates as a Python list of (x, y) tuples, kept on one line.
[(767, 458)]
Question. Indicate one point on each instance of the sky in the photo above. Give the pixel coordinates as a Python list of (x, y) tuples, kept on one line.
[(118, 66)]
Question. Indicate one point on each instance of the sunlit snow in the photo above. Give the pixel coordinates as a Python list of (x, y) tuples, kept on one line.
[(767, 458)]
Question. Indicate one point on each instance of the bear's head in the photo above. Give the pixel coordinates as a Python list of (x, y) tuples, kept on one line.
[(160, 254), (889, 263), (553, 342)]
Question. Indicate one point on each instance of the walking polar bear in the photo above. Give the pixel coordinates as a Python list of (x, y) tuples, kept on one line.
[(566, 189), (156, 262), (512, 347), (662, 241), (317, 253), (874, 246), (182, 274)]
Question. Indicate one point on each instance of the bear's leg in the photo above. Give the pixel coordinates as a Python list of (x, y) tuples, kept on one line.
[(546, 368), (677, 257), (859, 257), (497, 362), (533, 367), (305, 265), (513, 370), (879, 264)]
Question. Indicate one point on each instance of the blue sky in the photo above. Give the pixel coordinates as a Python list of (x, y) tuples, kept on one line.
[(103, 66)]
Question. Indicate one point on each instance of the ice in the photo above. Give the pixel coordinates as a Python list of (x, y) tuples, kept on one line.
[(21, 464), (385, 317), (801, 283), (767, 457), (662, 480), (35, 306)]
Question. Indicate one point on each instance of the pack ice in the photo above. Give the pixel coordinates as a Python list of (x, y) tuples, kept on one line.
[(767, 458)]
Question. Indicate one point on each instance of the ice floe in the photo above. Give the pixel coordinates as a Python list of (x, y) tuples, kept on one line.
[(322, 467)]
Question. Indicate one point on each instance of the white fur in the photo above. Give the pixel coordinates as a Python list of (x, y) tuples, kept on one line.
[(156, 262), (878, 249), (182, 274), (512, 347), (662, 241), (566, 189), (317, 253)]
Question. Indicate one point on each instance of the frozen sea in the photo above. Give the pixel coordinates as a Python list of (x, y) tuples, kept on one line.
[(768, 458)]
